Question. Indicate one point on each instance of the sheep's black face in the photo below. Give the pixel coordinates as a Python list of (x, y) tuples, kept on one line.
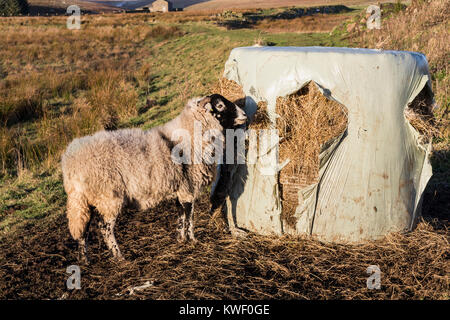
[(228, 113)]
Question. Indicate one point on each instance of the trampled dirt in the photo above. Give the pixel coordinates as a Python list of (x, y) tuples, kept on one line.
[(33, 263)]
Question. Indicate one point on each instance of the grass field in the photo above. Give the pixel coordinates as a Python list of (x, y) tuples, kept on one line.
[(137, 70)]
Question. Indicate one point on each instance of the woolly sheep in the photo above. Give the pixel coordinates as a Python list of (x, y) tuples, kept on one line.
[(112, 170)]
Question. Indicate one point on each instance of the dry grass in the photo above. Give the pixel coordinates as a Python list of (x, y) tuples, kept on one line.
[(261, 118), (306, 24), (307, 120), (57, 84)]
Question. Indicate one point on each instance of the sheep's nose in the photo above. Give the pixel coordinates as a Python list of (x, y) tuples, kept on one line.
[(241, 117)]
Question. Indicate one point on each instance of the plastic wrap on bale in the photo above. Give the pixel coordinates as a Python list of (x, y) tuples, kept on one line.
[(370, 169)]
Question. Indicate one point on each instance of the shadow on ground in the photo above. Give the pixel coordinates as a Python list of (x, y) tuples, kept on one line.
[(436, 202)]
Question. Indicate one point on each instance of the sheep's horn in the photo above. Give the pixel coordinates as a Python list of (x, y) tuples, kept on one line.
[(202, 103)]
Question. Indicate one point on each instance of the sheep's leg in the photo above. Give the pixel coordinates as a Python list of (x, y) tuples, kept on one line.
[(79, 217), (189, 209), (82, 251), (82, 245), (181, 224), (107, 230), (109, 208)]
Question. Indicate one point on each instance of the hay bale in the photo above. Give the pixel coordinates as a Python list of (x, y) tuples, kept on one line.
[(261, 118), (307, 120)]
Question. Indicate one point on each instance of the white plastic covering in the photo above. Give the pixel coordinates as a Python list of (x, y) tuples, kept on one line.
[(372, 178)]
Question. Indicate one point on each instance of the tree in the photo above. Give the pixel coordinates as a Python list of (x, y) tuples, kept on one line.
[(13, 7)]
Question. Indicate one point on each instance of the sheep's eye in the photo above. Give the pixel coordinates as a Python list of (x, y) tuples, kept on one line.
[(220, 106)]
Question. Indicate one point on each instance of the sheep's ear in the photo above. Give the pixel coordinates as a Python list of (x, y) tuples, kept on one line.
[(205, 104), (208, 107)]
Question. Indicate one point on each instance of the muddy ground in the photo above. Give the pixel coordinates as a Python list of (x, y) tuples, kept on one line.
[(34, 261)]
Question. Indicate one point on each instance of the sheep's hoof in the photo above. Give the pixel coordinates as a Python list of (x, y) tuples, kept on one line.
[(83, 259), (120, 261), (191, 237), (181, 237), (85, 262), (238, 233)]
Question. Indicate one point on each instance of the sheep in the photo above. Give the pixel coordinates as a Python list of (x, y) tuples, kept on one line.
[(114, 170)]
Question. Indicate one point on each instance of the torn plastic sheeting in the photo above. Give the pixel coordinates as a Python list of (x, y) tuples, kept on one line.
[(371, 181)]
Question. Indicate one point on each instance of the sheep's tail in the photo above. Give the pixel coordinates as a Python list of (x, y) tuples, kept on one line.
[(78, 214)]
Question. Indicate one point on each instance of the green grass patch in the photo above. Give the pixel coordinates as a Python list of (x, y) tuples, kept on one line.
[(29, 198)]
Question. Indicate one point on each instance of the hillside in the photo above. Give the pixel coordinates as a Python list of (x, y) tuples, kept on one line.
[(43, 7), (250, 4), (133, 4)]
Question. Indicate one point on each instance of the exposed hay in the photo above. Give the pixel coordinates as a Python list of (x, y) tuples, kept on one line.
[(307, 120), (419, 113), (34, 261), (230, 90), (261, 118)]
